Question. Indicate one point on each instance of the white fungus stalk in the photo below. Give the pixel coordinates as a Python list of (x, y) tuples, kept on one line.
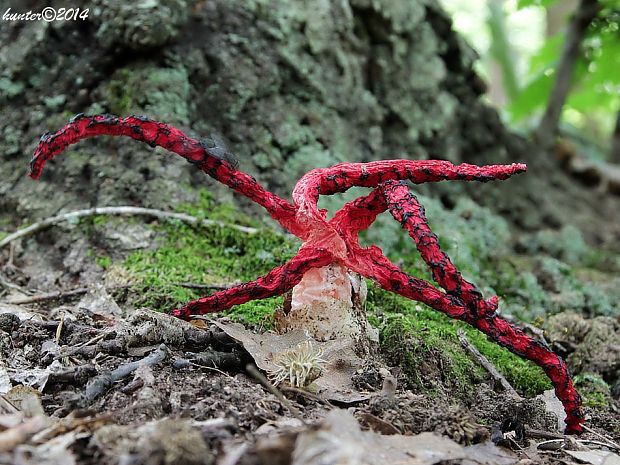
[(328, 303)]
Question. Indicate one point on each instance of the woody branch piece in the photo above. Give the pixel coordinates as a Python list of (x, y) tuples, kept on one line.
[(334, 242)]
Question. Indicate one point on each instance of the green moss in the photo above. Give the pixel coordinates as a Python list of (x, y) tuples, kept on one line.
[(100, 220), (258, 312), (10, 88), (208, 255), (424, 342), (104, 261), (595, 400), (594, 391), (206, 208), (428, 351), (523, 375), (119, 95)]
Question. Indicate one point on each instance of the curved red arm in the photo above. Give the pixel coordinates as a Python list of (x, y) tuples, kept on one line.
[(163, 135), (343, 176), (276, 282)]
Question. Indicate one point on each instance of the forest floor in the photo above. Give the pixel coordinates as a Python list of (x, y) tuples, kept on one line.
[(89, 376)]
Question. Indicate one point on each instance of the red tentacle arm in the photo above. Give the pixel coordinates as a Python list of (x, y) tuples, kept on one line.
[(371, 263), (520, 343), (406, 209), (392, 278), (358, 215), (276, 282), (462, 301), (343, 176), (163, 135)]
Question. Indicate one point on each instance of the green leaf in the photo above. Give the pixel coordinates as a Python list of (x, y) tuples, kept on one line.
[(605, 69), (533, 96), (548, 55), (540, 3)]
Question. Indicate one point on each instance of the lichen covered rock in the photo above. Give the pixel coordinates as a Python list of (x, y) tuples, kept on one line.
[(139, 25), (592, 345)]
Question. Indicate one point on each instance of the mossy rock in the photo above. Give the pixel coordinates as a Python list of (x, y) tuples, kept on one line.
[(425, 344), (595, 392), (431, 360), (160, 92)]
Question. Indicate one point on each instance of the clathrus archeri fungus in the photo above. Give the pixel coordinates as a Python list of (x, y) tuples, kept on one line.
[(335, 241)]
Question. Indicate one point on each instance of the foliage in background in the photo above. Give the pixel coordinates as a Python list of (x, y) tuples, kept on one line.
[(595, 94), (516, 45)]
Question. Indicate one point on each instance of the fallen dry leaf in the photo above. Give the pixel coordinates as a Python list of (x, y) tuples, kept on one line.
[(341, 361)]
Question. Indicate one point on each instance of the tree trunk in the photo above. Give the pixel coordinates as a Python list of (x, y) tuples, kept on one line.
[(615, 142), (557, 16), (503, 55), (548, 127)]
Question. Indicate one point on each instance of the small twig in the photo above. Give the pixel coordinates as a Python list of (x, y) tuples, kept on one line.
[(307, 394), (133, 386), (550, 445), (541, 434), (496, 375), (77, 349), (253, 371), (599, 435), (59, 328), (223, 360), (122, 210), (58, 295), (115, 346), (9, 285), (206, 367), (219, 287), (9, 262), (599, 443), (92, 340), (75, 376), (100, 384)]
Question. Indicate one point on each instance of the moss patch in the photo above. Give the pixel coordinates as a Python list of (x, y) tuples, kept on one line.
[(594, 391), (429, 356), (208, 255), (161, 92), (425, 344), (104, 261)]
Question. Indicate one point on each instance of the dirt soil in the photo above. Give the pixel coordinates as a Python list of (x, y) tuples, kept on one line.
[(80, 397)]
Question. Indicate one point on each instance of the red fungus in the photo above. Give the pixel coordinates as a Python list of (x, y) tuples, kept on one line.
[(335, 241)]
